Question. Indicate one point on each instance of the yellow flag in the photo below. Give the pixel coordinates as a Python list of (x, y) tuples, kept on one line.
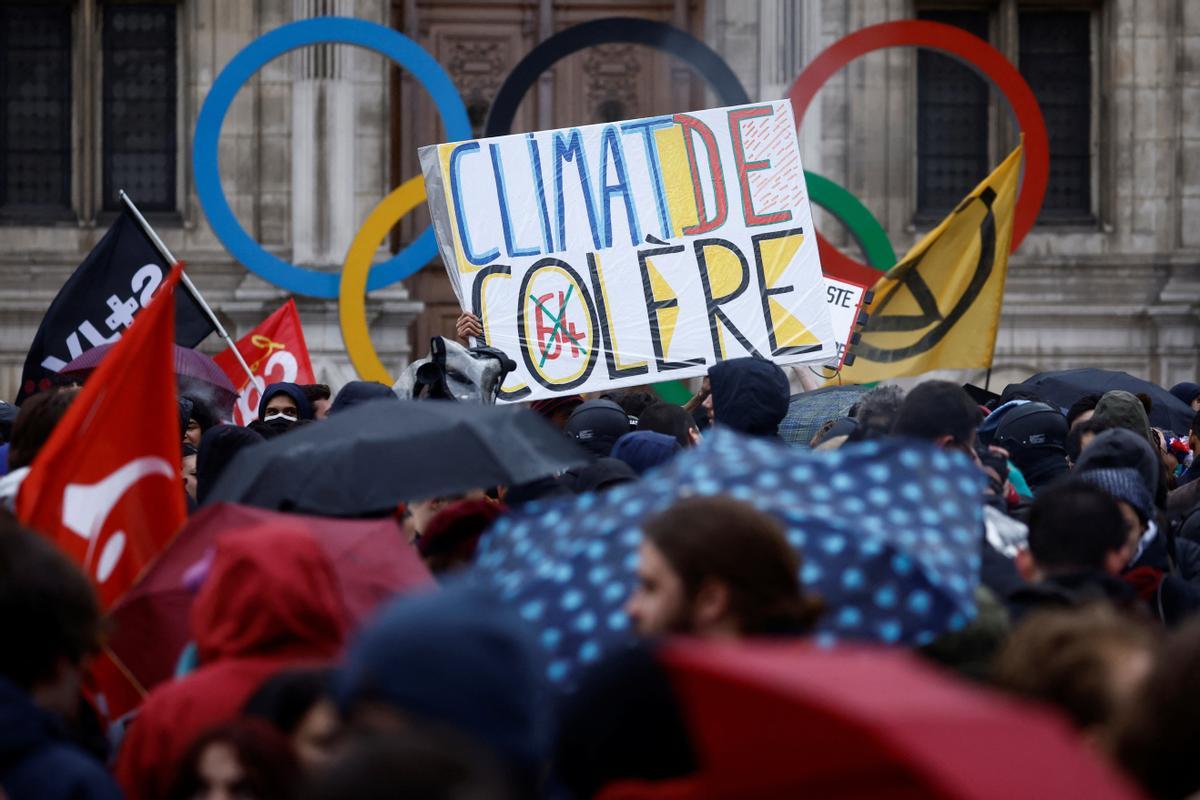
[(939, 307)]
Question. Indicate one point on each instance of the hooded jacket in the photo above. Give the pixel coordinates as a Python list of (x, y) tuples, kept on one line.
[(270, 601), (1123, 410), (749, 395), (218, 446), (355, 393), (292, 390), (36, 759)]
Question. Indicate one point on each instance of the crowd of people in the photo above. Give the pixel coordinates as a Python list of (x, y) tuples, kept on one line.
[(1087, 603)]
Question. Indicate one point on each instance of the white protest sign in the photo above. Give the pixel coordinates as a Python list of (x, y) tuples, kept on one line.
[(633, 252), (845, 300)]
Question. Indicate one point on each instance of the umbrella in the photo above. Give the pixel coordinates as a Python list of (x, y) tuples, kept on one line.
[(889, 532), (783, 721), (372, 457), (807, 412), (1065, 387), (372, 559), (198, 374)]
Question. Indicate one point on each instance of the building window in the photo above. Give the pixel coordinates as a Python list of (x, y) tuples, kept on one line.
[(1055, 56), (35, 111), (139, 96), (952, 122), (958, 138)]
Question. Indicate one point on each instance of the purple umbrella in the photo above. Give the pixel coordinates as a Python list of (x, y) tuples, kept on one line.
[(198, 375)]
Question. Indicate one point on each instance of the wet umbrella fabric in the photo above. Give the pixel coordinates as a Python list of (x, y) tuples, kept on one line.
[(372, 559), (869, 723), (1065, 387), (889, 532), (807, 412), (369, 458), (198, 374)]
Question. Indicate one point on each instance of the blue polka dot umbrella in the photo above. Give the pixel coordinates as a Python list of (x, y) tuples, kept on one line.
[(889, 532)]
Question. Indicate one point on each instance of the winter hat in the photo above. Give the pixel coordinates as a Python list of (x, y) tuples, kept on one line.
[(356, 393), (1123, 410), (1122, 484), (1186, 391), (457, 527), (597, 424), (458, 658), (644, 450), (1121, 448), (749, 395)]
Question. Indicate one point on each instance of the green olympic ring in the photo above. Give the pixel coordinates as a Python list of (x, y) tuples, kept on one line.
[(868, 234)]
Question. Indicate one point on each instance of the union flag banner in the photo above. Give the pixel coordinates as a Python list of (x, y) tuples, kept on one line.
[(276, 352)]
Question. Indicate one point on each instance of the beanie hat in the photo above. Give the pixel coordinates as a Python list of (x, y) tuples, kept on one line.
[(1123, 410), (1186, 391), (1122, 484), (1121, 448), (597, 424), (458, 658), (644, 450)]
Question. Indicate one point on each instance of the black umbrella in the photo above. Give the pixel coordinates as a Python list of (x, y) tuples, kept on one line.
[(1063, 388), (372, 457)]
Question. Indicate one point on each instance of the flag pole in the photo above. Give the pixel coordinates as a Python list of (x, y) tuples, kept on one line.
[(187, 282)]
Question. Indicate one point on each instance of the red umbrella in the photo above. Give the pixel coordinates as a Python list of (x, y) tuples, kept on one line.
[(372, 559), (197, 374), (791, 720)]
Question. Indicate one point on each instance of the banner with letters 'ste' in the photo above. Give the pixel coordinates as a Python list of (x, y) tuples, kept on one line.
[(633, 252)]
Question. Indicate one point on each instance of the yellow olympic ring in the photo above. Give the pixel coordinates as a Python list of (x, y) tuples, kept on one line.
[(352, 300)]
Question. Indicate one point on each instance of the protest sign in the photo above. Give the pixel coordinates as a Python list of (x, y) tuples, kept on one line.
[(633, 252)]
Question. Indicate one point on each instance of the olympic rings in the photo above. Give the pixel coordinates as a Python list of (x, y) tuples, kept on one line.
[(612, 30), (358, 276), (967, 47), (205, 163), (352, 307)]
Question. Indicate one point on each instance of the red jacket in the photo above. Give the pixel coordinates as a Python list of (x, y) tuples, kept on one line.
[(271, 601)]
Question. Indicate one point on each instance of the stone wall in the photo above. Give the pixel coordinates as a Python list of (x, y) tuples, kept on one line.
[(293, 139), (1123, 293)]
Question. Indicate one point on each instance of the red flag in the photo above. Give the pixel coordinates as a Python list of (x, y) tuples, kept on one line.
[(275, 351), (106, 486)]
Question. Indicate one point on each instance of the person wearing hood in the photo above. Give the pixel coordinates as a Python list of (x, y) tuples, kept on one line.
[(749, 395), (282, 405), (453, 660), (200, 418), (355, 393), (50, 624), (1121, 409), (270, 601), (217, 448)]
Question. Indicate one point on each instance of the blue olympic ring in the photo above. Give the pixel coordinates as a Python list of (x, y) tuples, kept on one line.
[(205, 165)]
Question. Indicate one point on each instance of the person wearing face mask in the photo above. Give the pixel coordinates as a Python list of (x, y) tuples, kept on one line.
[(283, 405)]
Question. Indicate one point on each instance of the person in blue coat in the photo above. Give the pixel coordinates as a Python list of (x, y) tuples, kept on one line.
[(49, 623)]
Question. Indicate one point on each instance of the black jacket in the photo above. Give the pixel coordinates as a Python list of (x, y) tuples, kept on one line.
[(1070, 591)]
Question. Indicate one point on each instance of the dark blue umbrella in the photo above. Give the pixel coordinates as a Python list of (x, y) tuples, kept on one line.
[(889, 532), (808, 411), (1066, 386)]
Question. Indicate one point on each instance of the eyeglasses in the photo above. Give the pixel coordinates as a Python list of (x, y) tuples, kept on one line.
[(281, 413)]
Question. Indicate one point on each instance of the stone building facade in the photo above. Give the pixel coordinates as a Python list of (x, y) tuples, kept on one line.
[(318, 137)]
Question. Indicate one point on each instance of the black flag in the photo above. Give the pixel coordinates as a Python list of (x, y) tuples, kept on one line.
[(99, 301)]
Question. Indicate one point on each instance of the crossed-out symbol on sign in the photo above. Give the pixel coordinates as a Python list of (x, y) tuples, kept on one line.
[(560, 333)]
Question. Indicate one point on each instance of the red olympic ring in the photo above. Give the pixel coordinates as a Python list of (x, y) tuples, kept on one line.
[(970, 49)]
